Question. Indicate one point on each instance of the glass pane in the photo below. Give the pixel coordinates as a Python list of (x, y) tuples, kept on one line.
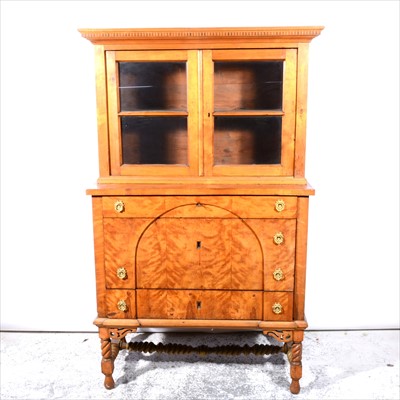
[(255, 85), (152, 86), (154, 140), (247, 140)]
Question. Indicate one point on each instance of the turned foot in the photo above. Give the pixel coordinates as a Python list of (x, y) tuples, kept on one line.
[(107, 368), (295, 387)]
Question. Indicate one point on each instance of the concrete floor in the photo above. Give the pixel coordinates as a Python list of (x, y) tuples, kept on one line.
[(336, 365)]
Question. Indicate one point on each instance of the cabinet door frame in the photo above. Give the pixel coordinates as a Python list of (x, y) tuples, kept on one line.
[(288, 112), (114, 113)]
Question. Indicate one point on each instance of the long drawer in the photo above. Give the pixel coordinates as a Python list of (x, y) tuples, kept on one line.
[(200, 206), (199, 304)]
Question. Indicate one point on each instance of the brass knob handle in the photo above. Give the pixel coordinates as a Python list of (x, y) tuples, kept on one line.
[(121, 305), (277, 308), (279, 205), (279, 238), (122, 273), (119, 206), (278, 274)]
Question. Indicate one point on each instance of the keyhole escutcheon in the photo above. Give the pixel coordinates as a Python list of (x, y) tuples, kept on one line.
[(198, 244)]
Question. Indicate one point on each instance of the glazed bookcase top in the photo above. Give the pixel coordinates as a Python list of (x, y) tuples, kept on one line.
[(202, 106)]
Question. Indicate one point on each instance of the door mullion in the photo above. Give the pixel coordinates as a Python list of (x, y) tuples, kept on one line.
[(200, 105), (208, 110)]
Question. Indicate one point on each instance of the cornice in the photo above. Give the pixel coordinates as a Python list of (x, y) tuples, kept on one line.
[(293, 33)]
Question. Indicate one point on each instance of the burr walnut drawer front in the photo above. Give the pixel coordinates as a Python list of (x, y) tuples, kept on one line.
[(120, 241), (119, 304), (200, 206), (206, 253), (251, 254), (277, 238), (278, 306), (199, 304)]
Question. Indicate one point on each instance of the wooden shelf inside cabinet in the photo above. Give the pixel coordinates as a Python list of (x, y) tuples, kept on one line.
[(201, 207)]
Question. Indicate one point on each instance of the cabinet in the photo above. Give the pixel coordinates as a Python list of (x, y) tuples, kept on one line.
[(201, 206)]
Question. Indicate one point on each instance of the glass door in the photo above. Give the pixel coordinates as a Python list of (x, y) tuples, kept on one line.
[(249, 112), (153, 112)]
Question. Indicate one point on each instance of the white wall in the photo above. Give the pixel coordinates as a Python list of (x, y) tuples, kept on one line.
[(49, 153)]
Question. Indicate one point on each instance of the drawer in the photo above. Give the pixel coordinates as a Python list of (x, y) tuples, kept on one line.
[(278, 306), (200, 206), (265, 206), (199, 253), (133, 206), (176, 253), (279, 259), (120, 304), (199, 304), (121, 236)]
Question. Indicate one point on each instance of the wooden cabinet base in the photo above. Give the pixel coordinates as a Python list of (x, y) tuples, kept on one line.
[(113, 339), (201, 262)]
